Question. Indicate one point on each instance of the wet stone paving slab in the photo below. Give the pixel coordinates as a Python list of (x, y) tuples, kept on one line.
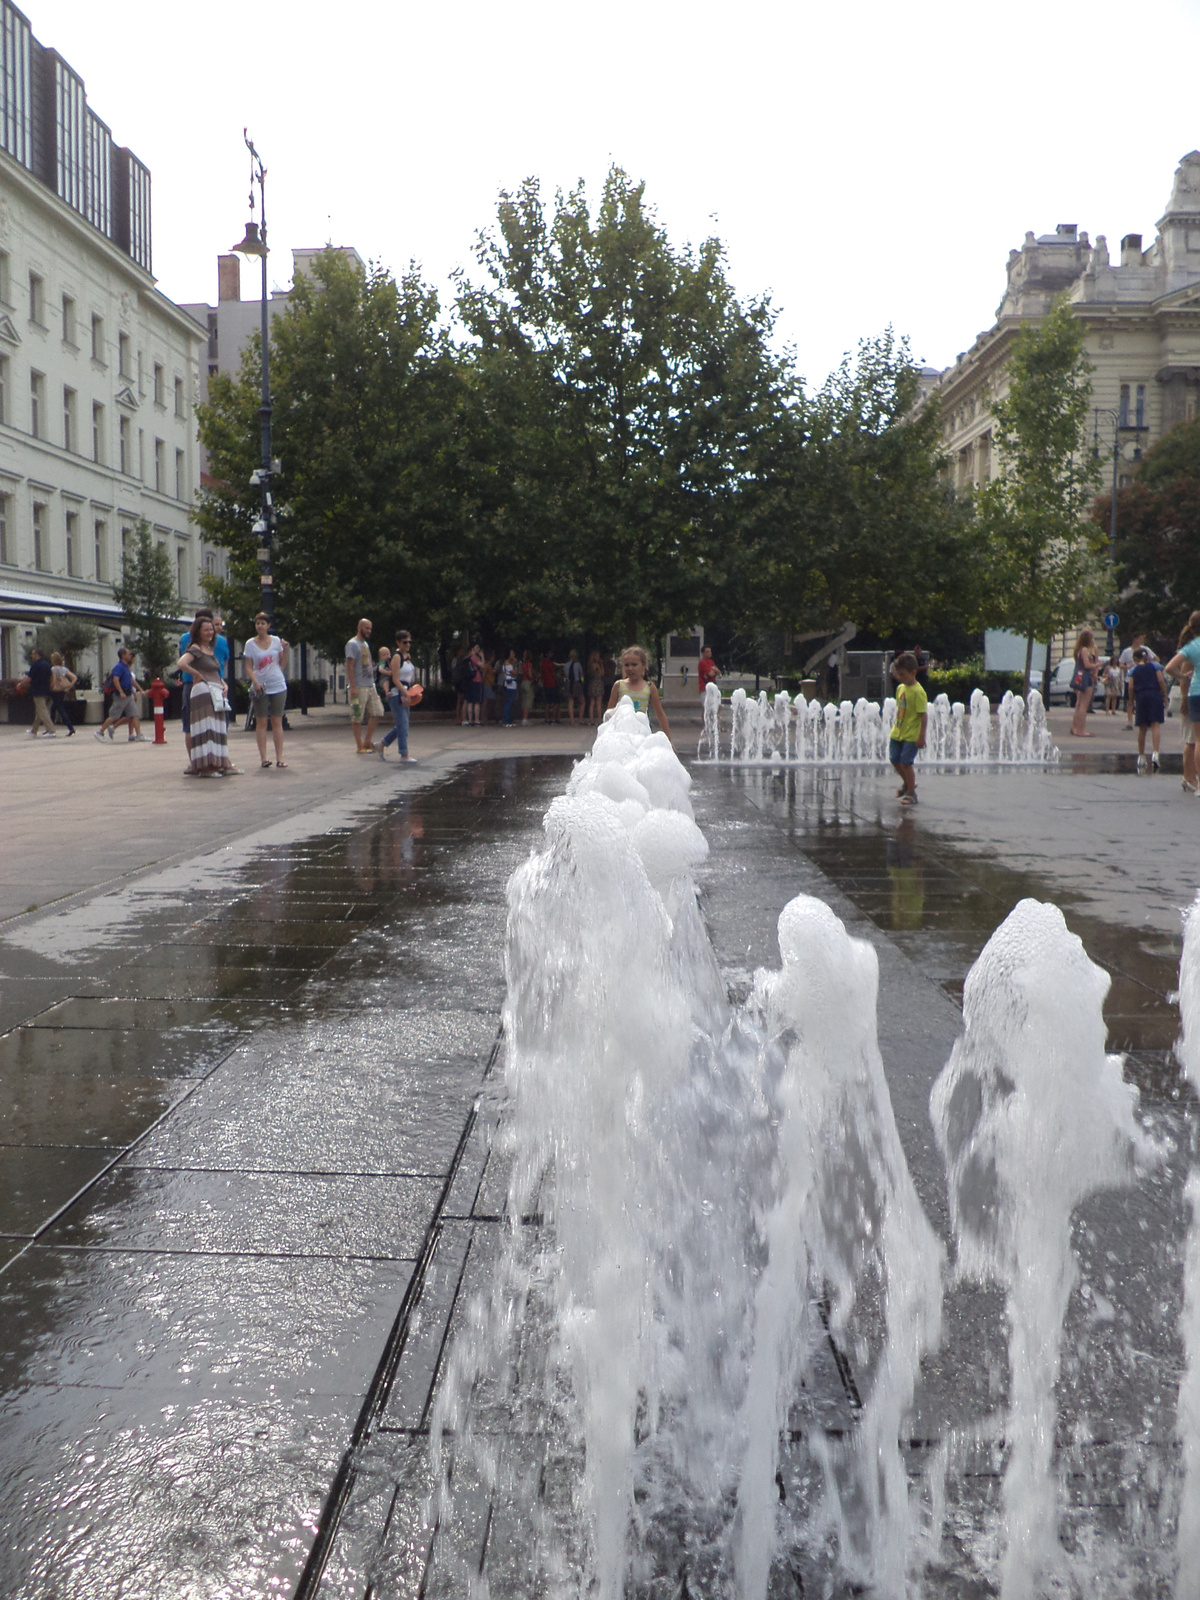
[(227, 1130), (251, 1192)]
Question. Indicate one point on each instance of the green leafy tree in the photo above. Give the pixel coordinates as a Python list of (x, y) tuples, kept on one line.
[(70, 636), (854, 523), (368, 421), (627, 392), (1158, 534), (1045, 553), (149, 599)]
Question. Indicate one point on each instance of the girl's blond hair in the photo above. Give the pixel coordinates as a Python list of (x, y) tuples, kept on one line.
[(636, 650), (55, 659)]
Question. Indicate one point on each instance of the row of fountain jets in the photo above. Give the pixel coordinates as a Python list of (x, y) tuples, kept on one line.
[(722, 1186), (787, 732)]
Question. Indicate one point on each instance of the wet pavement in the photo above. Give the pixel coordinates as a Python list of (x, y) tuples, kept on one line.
[(247, 1186)]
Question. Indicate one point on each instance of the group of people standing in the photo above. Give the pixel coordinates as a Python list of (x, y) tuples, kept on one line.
[(1137, 674), (491, 684)]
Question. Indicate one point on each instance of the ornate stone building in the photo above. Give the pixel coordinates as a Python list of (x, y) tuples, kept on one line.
[(1142, 313), (98, 370)]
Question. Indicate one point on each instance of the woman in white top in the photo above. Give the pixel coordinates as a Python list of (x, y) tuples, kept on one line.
[(266, 656)]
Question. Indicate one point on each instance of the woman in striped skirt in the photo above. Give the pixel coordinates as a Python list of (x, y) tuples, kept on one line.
[(208, 705)]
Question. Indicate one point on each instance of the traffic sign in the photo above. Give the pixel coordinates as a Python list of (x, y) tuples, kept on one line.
[(1110, 619)]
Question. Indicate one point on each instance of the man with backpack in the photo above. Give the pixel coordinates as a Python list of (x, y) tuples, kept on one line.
[(124, 706)]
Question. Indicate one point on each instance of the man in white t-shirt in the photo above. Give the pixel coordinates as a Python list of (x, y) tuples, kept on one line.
[(1125, 662), (364, 697)]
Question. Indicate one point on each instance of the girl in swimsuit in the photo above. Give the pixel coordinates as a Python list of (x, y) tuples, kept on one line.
[(636, 686)]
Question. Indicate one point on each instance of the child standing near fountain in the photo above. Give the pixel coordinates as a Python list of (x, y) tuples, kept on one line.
[(908, 731), (636, 686)]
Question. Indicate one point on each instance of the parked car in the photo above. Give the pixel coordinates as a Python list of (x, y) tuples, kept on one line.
[(1061, 692)]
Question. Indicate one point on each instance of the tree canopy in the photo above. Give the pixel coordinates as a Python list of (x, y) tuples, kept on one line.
[(149, 598), (1044, 553), (1158, 534), (603, 439)]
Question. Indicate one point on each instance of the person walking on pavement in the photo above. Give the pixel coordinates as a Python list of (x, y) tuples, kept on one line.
[(360, 680), (61, 679), (124, 705), (473, 687), (403, 675), (39, 682), (210, 728), (266, 661)]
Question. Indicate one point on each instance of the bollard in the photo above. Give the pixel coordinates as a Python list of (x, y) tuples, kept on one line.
[(158, 694)]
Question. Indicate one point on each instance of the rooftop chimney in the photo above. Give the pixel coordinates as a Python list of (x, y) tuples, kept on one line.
[(1131, 250), (229, 278)]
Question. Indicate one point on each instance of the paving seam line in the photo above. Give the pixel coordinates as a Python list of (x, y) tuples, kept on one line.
[(380, 1387)]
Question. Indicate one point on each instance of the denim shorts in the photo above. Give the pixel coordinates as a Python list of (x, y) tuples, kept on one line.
[(902, 752)]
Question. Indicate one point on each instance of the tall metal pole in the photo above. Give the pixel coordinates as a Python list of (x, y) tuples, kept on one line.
[(255, 244), (1097, 413)]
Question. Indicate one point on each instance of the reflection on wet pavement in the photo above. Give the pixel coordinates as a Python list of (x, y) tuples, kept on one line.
[(226, 1124)]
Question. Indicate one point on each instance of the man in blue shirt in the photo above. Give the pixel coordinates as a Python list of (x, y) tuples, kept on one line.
[(124, 706)]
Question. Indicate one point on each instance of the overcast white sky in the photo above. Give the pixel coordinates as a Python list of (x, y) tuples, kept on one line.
[(865, 163)]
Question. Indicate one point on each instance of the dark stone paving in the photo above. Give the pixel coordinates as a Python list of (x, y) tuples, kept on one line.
[(226, 1132), (927, 904), (247, 1191)]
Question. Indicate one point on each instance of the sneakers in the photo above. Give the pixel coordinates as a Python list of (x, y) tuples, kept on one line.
[(111, 733), (1141, 766), (381, 752), (466, 722), (1154, 762), (99, 734), (409, 761), (137, 738)]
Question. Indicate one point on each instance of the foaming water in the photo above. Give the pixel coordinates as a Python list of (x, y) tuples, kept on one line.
[(856, 733), (1032, 1116), (705, 1199), (1187, 1584)]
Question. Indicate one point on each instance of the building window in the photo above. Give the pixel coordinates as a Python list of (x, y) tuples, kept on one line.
[(70, 434), (1123, 407), (6, 554), (68, 308), (180, 574), (124, 547), (3, 388), (179, 475), (98, 339), (125, 443), (72, 544), (37, 403), (160, 386), (1140, 399), (97, 432), (100, 535), (160, 467), (37, 299), (141, 455), (179, 397), (40, 552), (123, 355), (5, 279)]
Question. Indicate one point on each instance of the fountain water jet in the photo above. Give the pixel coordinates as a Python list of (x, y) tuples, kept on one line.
[(1032, 1116)]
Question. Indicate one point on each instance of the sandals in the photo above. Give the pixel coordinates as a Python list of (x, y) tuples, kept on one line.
[(278, 763), (265, 764), (908, 800)]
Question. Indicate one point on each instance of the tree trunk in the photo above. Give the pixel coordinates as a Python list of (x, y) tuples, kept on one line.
[(1028, 665)]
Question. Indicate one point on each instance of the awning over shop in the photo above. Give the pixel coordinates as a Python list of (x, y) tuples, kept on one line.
[(27, 605)]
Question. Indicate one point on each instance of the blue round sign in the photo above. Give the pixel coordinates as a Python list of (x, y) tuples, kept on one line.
[(1110, 619)]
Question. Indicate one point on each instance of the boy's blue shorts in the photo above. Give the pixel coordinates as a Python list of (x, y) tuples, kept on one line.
[(902, 752)]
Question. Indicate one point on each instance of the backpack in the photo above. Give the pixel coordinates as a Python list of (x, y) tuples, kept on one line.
[(109, 685)]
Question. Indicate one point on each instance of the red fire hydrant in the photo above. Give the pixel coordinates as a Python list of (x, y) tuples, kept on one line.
[(158, 694)]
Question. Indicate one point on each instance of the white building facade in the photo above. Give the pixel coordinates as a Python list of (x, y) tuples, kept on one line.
[(99, 372)]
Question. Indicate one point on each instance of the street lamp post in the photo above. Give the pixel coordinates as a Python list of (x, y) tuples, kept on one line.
[(1115, 417), (255, 244)]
